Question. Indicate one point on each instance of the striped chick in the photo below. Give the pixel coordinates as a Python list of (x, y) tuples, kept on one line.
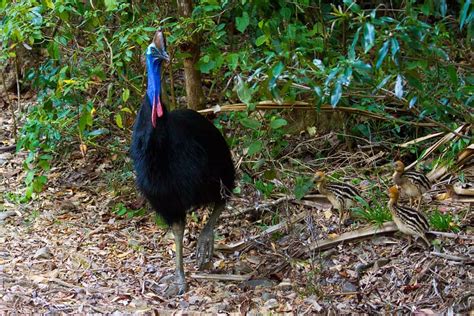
[(341, 195), (411, 183), (409, 221)]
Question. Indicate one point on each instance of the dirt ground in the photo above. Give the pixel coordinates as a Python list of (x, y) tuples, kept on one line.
[(67, 252)]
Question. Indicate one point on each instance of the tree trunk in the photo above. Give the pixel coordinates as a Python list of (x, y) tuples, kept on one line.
[(192, 76)]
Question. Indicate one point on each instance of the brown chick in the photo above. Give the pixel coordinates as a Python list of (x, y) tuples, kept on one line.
[(411, 183), (409, 221), (341, 195)]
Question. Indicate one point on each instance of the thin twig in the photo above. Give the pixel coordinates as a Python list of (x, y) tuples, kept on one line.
[(7, 148), (258, 207), (450, 257)]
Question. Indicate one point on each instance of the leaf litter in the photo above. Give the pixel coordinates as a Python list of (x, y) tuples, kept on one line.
[(67, 252)]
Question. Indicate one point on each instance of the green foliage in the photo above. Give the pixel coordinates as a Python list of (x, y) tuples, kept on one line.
[(375, 212), (443, 222), (303, 185), (90, 78), (121, 210)]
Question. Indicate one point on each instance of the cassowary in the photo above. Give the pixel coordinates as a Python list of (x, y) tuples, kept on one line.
[(181, 161)]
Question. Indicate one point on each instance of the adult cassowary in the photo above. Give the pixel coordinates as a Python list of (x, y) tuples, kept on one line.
[(182, 162)]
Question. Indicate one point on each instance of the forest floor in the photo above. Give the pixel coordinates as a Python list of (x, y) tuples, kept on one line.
[(67, 251)]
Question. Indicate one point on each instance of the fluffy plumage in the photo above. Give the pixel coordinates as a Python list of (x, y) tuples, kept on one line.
[(341, 195), (409, 221), (182, 162), (412, 183)]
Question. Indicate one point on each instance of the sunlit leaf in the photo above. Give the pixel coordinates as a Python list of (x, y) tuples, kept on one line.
[(412, 102), (463, 15), (110, 4), (118, 120), (399, 86), (351, 53), (369, 36), (382, 53), (394, 48), (336, 94), (243, 91), (125, 94)]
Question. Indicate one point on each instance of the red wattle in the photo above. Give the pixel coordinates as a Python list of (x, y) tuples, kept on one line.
[(153, 117), (159, 110)]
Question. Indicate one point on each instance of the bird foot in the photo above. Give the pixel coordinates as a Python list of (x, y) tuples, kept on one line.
[(171, 286), (205, 249)]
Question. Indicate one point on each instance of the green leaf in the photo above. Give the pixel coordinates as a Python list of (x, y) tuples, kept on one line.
[(125, 94), (38, 183), (276, 71), (242, 22), (110, 4), (250, 123), (254, 148), (118, 120), (443, 7), (49, 4), (53, 50), (351, 4), (395, 47), (336, 94), (382, 53), (351, 53), (369, 37), (243, 91), (260, 40), (233, 60), (302, 186), (463, 15), (29, 176), (277, 123), (452, 75)]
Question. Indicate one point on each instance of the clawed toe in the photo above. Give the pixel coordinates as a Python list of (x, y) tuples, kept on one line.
[(171, 286), (205, 250)]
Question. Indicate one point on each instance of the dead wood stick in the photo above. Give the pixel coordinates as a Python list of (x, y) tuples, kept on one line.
[(363, 233), (258, 207), (445, 139), (65, 284), (7, 148), (221, 277), (419, 140), (451, 235), (343, 293), (450, 257), (270, 105), (237, 246)]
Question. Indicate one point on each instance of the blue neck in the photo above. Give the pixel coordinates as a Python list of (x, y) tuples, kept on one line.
[(154, 78)]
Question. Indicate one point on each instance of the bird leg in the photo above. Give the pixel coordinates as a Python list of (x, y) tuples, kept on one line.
[(419, 203), (205, 245), (408, 246), (179, 287)]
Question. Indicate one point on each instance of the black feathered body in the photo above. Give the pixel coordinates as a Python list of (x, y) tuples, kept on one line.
[(182, 163)]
